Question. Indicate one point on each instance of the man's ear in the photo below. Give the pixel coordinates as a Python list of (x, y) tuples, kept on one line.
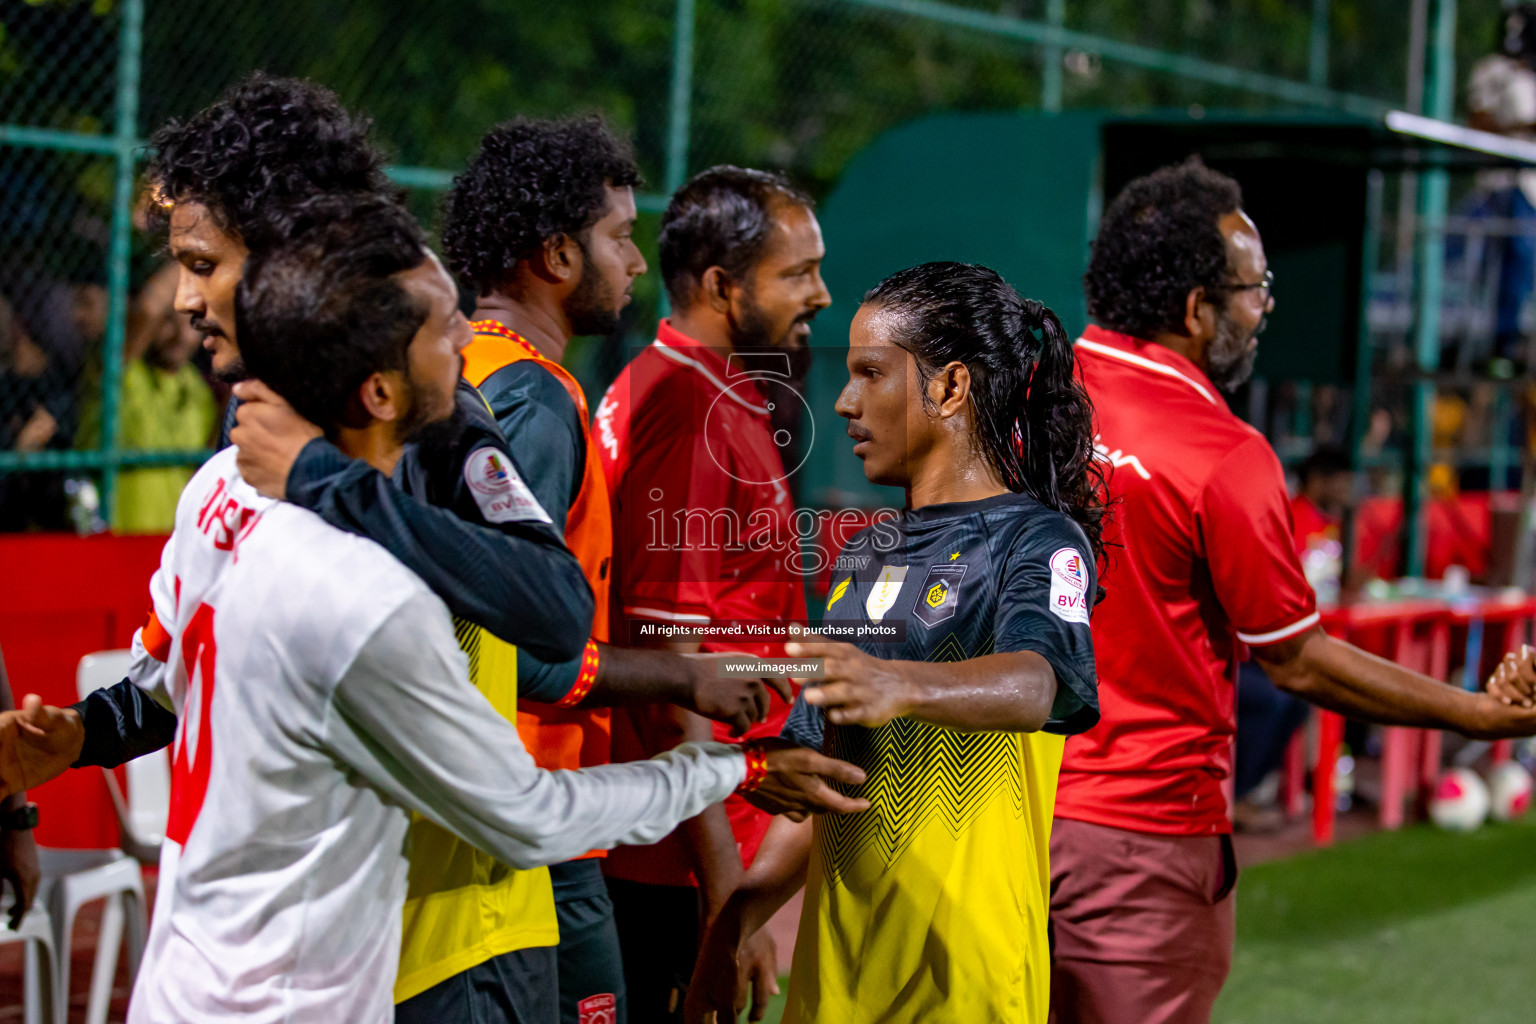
[(951, 388), (382, 396), (558, 260), (1199, 316), (717, 289)]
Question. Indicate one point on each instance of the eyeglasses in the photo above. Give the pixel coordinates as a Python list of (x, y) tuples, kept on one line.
[(1268, 286)]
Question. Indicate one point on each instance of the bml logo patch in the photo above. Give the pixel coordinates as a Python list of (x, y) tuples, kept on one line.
[(939, 598), (1069, 586)]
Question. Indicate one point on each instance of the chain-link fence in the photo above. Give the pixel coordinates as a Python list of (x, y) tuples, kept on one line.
[(102, 403)]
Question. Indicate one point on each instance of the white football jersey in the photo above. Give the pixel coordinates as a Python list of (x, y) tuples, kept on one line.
[(322, 698)]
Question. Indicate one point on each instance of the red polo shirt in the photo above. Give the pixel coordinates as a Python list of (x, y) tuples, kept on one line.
[(703, 532), (1201, 558)]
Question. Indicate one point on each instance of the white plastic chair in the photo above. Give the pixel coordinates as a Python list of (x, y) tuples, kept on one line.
[(73, 878), (41, 1001)]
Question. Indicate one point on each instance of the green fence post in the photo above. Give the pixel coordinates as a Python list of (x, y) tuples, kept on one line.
[(1360, 404), (1050, 82), (1434, 186), (1317, 55), (682, 96), (125, 140)]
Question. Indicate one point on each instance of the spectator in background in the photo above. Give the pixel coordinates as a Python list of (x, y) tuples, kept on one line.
[(1501, 97), (36, 413), (1317, 516), (1267, 717), (166, 406)]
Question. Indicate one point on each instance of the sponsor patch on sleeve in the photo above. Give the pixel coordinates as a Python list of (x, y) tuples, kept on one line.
[(1069, 585), (499, 491)]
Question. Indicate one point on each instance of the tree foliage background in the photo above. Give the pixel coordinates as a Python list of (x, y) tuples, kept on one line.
[(800, 85)]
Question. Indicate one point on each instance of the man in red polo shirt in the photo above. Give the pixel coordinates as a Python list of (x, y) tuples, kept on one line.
[(1142, 867), (703, 523)]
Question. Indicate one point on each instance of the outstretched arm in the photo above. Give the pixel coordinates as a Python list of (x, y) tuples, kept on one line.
[(1003, 692), (515, 576), (1340, 677), (627, 677), (408, 721)]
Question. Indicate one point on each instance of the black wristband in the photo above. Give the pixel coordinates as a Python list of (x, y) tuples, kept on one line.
[(21, 819)]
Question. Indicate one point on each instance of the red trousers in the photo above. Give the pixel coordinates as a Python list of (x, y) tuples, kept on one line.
[(1142, 925)]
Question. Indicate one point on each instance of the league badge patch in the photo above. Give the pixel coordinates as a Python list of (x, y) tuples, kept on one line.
[(1069, 585), (939, 596), (498, 490), (885, 591)]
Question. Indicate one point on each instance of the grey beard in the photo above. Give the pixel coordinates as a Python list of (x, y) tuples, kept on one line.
[(1229, 361)]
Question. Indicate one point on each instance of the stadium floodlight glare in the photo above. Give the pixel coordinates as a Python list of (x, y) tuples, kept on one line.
[(1461, 136)]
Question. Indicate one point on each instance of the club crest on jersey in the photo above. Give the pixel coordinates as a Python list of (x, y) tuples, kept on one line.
[(885, 591), (939, 598), (838, 592), (499, 491), (1069, 585), (602, 1008)]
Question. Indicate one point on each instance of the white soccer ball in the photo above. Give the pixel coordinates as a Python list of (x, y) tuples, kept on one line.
[(1509, 791), (1460, 803)]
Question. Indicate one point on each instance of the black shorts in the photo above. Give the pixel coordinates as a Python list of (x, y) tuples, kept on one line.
[(519, 987), (659, 936), (591, 965)]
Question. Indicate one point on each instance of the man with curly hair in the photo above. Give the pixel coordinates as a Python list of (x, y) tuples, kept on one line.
[(1141, 851), (688, 434), (218, 175), (539, 225), (471, 543)]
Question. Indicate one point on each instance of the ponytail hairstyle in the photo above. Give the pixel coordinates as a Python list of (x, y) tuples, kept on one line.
[(1033, 419)]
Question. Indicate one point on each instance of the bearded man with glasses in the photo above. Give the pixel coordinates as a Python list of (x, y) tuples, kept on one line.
[(1141, 853)]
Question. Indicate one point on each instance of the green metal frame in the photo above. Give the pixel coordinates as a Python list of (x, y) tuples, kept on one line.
[(125, 147), (1434, 189)]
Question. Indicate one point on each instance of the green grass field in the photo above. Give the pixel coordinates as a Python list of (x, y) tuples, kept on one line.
[(1411, 927)]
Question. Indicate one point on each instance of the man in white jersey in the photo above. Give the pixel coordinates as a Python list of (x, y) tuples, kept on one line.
[(321, 693)]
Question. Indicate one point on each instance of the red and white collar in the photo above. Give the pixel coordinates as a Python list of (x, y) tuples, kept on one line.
[(681, 349), (1150, 356)]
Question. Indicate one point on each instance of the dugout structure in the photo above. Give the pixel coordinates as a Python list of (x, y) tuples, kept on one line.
[(1022, 193)]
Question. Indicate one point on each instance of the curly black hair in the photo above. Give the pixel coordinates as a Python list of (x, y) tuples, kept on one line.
[(267, 142), (320, 310), (530, 181), (1034, 420), (720, 218), (1159, 240)]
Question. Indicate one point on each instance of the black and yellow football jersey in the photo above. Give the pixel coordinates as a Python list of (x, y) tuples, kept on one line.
[(932, 905)]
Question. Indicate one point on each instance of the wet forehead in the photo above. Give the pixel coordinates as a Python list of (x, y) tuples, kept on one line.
[(194, 229), (795, 234)]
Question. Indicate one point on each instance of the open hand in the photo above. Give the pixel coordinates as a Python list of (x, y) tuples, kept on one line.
[(1514, 681), (38, 742), (858, 689), (738, 701), (268, 436), (1497, 718), (796, 784)]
